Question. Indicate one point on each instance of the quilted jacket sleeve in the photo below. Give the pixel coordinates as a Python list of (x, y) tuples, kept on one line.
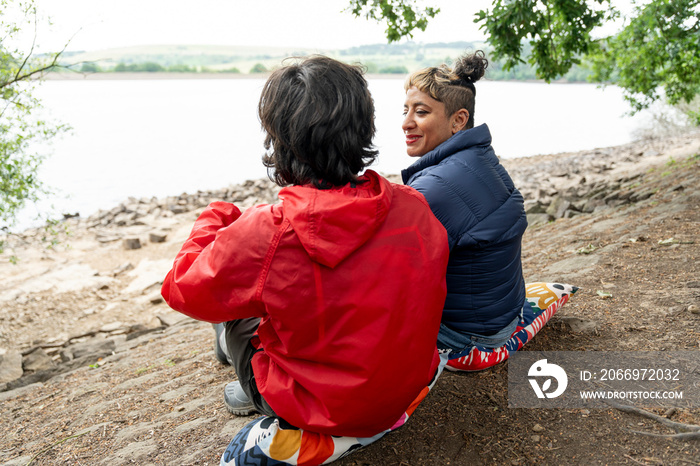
[(215, 274)]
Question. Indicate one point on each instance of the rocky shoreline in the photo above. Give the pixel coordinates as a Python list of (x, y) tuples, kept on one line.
[(85, 337), (553, 186)]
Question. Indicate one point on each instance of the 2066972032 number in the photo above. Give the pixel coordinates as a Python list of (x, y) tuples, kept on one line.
[(639, 374)]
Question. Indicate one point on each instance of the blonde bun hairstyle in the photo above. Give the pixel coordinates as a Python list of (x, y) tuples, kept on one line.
[(452, 86)]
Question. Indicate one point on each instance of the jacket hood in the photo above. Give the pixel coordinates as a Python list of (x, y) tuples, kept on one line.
[(332, 223), (477, 136)]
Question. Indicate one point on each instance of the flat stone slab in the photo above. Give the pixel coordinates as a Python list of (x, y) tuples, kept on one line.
[(71, 277)]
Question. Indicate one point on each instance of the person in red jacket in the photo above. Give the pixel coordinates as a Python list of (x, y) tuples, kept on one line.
[(331, 298)]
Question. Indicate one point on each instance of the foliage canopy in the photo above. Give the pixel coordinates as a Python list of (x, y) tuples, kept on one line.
[(658, 48), (402, 16), (20, 129)]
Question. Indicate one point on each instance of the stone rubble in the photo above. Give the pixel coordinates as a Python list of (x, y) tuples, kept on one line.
[(145, 210), (570, 184)]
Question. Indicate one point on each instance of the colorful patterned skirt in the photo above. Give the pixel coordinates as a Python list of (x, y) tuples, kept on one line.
[(543, 301)]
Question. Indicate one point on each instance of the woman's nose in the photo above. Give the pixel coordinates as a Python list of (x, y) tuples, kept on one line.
[(407, 122)]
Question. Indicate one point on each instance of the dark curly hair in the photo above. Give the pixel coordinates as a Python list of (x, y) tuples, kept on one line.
[(318, 116), (453, 87)]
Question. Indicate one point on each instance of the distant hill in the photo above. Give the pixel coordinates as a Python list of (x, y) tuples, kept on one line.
[(398, 58)]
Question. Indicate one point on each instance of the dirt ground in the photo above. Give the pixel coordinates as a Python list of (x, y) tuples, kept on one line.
[(637, 266)]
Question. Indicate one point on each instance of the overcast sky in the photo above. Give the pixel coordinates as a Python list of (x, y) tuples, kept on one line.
[(320, 24)]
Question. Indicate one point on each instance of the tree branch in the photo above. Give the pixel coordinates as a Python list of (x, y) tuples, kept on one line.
[(43, 69), (683, 431), (31, 51), (19, 76), (679, 436)]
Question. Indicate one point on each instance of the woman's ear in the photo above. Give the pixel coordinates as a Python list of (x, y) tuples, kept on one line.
[(459, 120)]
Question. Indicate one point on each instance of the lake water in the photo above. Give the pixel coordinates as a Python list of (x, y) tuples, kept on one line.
[(145, 138)]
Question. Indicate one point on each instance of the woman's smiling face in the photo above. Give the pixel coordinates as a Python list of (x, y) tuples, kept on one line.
[(425, 124)]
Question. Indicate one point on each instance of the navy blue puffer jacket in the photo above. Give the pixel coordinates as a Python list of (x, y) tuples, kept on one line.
[(473, 196)]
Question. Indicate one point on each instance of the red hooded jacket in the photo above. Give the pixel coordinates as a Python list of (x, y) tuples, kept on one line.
[(350, 285)]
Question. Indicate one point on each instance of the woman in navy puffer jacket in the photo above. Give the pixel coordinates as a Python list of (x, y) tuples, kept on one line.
[(474, 198)]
